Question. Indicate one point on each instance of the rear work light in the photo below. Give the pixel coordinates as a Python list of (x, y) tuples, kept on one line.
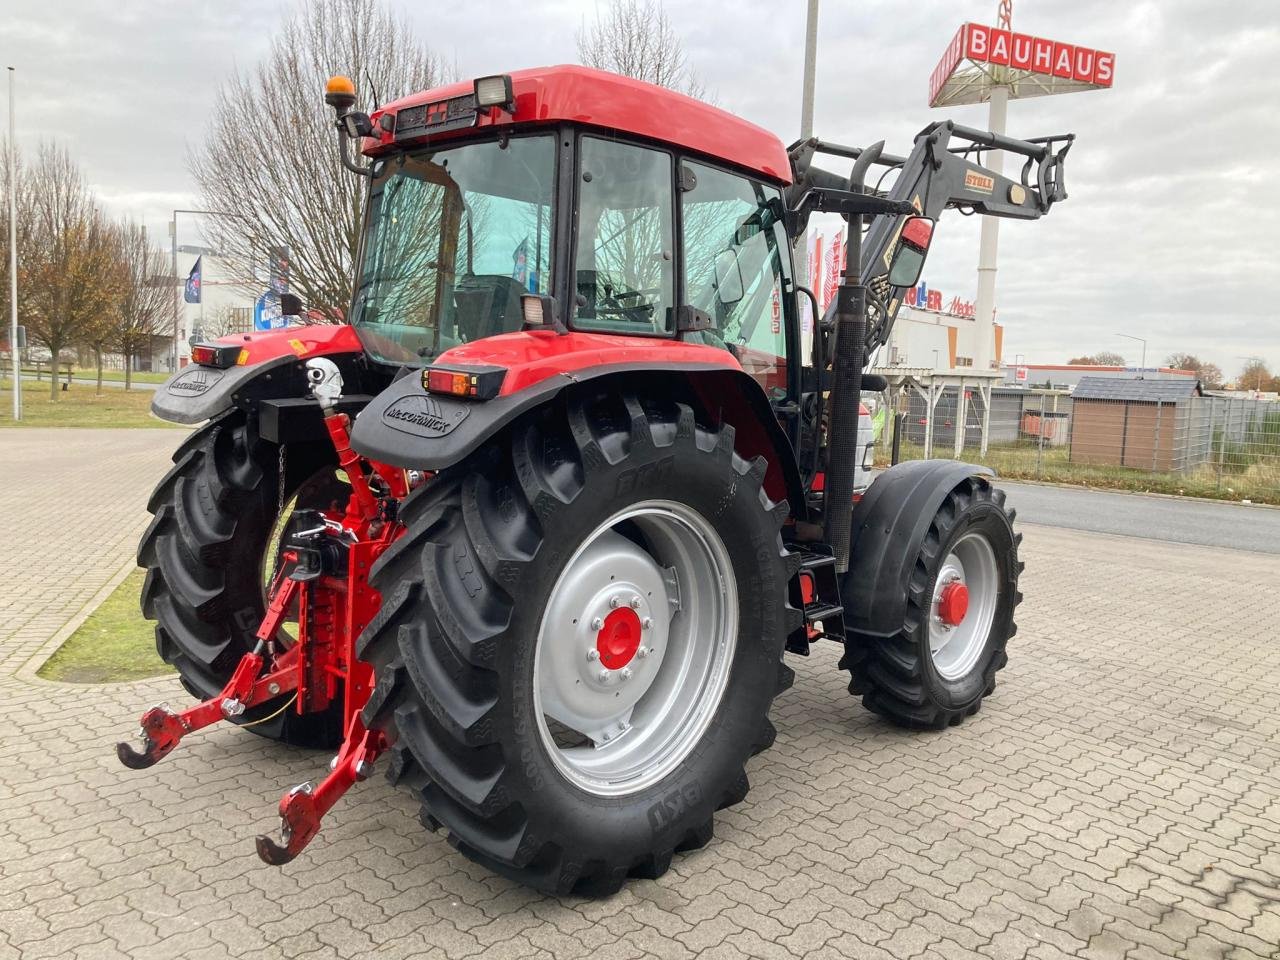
[(494, 92), (477, 383), (215, 355)]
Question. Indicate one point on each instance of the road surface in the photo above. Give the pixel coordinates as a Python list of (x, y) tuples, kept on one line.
[(1178, 520), (90, 382)]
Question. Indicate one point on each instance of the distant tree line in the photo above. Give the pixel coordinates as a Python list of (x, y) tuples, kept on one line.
[(1254, 375), (269, 154), (85, 281)]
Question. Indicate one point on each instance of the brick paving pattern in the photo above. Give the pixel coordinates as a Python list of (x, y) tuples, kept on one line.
[(1117, 797)]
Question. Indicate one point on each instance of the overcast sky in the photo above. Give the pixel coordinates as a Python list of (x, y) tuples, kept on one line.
[(1169, 232)]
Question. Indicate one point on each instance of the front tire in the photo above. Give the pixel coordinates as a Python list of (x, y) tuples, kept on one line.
[(961, 600), (595, 510)]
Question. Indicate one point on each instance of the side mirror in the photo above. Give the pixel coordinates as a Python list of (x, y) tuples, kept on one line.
[(913, 246), (728, 277), (290, 305)]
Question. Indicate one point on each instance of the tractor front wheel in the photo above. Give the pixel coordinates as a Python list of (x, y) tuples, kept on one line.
[(961, 600), (580, 640)]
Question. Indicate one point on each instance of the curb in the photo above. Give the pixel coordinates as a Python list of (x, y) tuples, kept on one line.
[(28, 671), (1133, 493)]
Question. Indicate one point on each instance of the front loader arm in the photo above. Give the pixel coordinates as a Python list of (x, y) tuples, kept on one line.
[(935, 177)]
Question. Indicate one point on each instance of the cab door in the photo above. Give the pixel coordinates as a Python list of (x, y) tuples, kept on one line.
[(737, 269)]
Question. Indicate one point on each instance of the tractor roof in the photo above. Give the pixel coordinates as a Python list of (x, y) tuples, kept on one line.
[(572, 94)]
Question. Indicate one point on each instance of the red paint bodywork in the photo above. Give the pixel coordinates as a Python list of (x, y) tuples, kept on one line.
[(315, 340), (572, 94), (532, 356)]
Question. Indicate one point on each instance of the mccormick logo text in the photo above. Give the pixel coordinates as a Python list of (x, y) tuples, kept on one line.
[(423, 416), (195, 381)]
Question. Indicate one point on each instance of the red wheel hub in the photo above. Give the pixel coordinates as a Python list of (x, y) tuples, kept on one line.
[(953, 603), (619, 638)]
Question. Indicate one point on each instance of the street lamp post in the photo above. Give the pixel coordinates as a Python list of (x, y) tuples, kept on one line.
[(13, 263), (803, 267), (1141, 341)]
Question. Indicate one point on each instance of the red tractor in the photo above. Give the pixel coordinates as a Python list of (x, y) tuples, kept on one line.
[(540, 520)]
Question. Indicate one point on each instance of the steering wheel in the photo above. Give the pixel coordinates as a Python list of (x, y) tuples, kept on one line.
[(611, 302)]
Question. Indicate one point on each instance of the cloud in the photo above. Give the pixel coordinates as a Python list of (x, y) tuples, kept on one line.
[(1169, 232)]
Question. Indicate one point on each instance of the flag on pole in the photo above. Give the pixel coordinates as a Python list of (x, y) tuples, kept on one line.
[(831, 270), (192, 292), (815, 283), (520, 263)]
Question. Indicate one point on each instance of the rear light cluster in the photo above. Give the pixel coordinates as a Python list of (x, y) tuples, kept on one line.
[(478, 383), (216, 355)]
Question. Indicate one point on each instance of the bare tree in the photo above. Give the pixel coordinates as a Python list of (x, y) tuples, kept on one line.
[(68, 266), (1103, 358), (636, 38), (1209, 374), (1255, 375), (225, 320), (270, 156), (145, 306)]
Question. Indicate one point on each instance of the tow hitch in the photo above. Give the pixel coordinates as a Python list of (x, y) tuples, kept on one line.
[(323, 574)]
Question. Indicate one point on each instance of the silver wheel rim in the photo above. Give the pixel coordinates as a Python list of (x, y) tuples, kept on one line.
[(654, 581), (955, 648)]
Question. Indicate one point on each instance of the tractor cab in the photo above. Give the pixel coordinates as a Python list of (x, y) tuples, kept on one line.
[(570, 205)]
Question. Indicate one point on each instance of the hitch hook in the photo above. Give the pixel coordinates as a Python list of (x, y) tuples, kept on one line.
[(159, 731)]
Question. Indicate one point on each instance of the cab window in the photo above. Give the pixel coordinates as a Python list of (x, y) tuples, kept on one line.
[(736, 267), (625, 271)]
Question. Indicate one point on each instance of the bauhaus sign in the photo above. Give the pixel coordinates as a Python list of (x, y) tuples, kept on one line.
[(1021, 52)]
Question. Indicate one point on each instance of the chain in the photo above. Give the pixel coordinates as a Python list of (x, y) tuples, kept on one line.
[(280, 485)]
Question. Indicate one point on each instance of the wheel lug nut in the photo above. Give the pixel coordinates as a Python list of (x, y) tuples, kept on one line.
[(597, 624), (593, 654), (642, 652), (647, 623), (635, 603), (626, 673), (613, 603), (604, 676)]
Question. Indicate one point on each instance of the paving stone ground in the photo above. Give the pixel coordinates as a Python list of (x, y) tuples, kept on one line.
[(1119, 796)]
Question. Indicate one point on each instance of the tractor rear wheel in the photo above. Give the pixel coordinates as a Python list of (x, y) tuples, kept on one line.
[(579, 642), (210, 549), (960, 604)]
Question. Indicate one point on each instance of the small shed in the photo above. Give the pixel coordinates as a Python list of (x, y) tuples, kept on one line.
[(1132, 422)]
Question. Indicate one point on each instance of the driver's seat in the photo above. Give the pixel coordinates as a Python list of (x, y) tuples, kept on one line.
[(485, 305)]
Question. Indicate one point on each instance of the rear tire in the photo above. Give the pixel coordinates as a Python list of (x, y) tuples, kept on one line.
[(457, 642), (931, 675), (213, 516)]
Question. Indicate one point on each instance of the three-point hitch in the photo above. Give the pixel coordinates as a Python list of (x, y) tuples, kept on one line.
[(321, 577)]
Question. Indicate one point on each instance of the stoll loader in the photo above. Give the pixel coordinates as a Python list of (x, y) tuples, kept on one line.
[(536, 524)]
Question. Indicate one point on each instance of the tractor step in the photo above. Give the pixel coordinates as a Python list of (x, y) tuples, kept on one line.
[(819, 599)]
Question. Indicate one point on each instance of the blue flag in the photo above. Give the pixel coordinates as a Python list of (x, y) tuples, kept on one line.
[(192, 293)]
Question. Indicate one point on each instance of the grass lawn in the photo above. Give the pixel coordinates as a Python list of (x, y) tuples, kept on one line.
[(117, 376), (80, 406), (115, 643)]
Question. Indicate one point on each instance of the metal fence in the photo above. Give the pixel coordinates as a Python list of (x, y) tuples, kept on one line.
[(1203, 446)]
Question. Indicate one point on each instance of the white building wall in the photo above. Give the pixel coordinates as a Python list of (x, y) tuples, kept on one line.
[(917, 334)]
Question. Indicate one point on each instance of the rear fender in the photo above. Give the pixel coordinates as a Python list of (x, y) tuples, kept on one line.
[(890, 523), (268, 366), (407, 427)]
